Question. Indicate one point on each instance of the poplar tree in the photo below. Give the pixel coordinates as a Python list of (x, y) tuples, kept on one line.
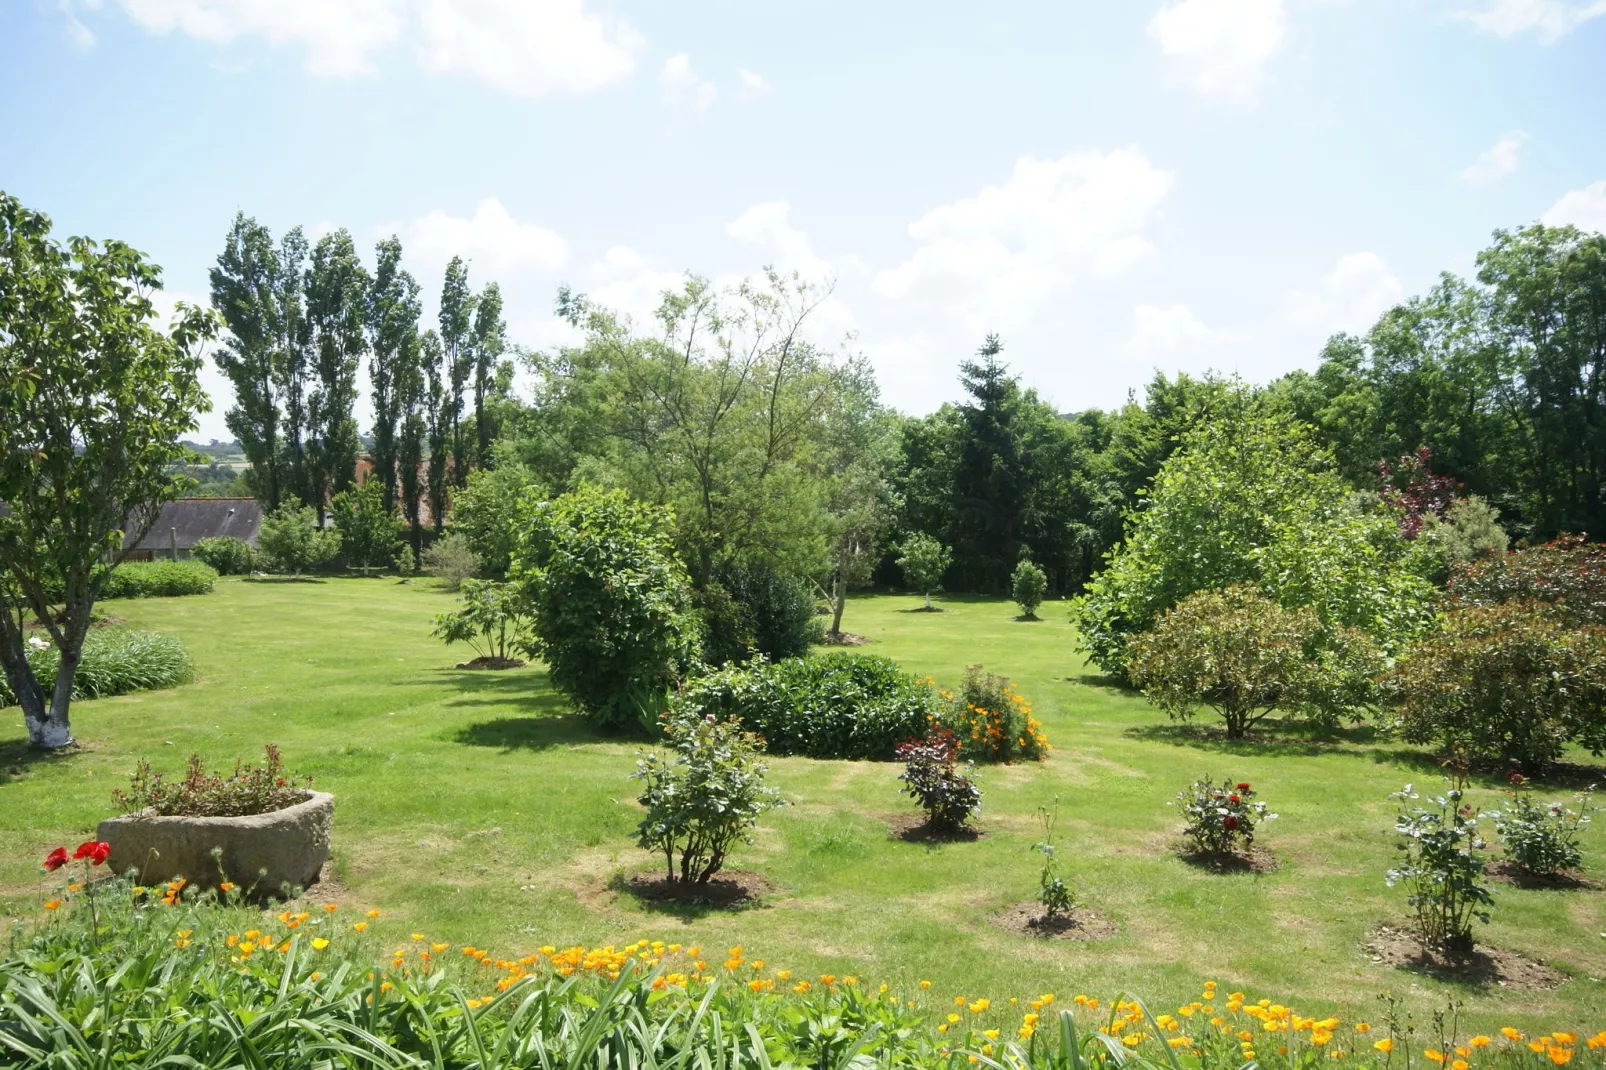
[(437, 423), (457, 352), (245, 292), (392, 321), (337, 300), (489, 344)]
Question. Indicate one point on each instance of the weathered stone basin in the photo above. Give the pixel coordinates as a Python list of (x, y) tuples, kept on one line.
[(260, 853)]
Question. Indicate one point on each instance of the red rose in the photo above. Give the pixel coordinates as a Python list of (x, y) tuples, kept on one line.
[(1243, 785), (1230, 822), (1233, 798), (56, 859), (99, 853)]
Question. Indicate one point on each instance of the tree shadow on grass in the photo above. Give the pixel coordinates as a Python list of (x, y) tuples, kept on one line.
[(1113, 684), (17, 757), (281, 579), (540, 719), (1272, 738)]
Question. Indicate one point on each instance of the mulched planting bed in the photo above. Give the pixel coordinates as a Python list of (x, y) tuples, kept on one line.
[(1026, 919), (492, 663), (731, 888), (1255, 860), (1485, 966), (1506, 873), (913, 828)]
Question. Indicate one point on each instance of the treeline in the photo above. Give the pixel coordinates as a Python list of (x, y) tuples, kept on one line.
[(768, 446), (300, 323)]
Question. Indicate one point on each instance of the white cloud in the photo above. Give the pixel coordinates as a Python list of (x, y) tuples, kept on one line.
[(1166, 332), (527, 48), (1350, 297), (682, 88), (495, 244), (1550, 19), (752, 86), (1497, 161), (1008, 249), (768, 228), (1219, 49), (632, 283), (1583, 208)]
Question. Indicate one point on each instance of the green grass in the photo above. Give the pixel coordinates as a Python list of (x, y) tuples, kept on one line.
[(474, 807)]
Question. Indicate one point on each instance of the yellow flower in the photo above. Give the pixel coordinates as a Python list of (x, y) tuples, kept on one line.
[(361, 927), (925, 984), (418, 937), (1362, 1027), (990, 1034), (330, 908), (1559, 1056), (226, 886), (373, 913), (783, 975), (980, 1005), (1385, 1045), (319, 943), (1568, 1039), (438, 948), (1510, 1033), (1459, 1064), (1479, 1041), (76, 886), (1436, 1056)]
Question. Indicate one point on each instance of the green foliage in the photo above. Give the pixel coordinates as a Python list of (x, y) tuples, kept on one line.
[(1541, 839), (778, 606), (931, 776), (291, 540), (159, 579), (1027, 587), (250, 789), (96, 398), (923, 561), (369, 532), (837, 705), (113, 662), (486, 511), (1053, 891), (612, 603), (1221, 818), (1249, 499), (451, 560), (228, 555), (1441, 867), (1244, 656), (1469, 531), (493, 618), (336, 288), (704, 802), (992, 721), (1507, 681), (1568, 573), (406, 564), (726, 626)]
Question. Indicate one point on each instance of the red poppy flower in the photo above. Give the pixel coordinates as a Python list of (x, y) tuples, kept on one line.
[(1230, 822), (99, 853), (56, 859)]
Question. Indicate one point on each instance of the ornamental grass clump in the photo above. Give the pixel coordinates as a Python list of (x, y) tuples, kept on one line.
[(1442, 867), (991, 720), (1541, 839), (253, 789), (932, 777), (112, 662), (1221, 819), (704, 802)]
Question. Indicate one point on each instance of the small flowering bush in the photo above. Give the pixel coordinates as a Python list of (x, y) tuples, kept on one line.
[(1222, 818), (991, 720), (705, 801), (932, 777), (250, 789), (1541, 839), (203, 981), (1442, 868)]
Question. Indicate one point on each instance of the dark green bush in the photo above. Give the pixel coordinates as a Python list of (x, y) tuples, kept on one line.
[(113, 662), (779, 607), (726, 626), (159, 579), (230, 556), (836, 705)]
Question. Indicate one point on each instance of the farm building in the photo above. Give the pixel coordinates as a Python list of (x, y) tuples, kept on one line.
[(184, 522)]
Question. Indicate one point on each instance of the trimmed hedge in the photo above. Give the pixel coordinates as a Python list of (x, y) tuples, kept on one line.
[(114, 663), (159, 579), (836, 705), (230, 556)]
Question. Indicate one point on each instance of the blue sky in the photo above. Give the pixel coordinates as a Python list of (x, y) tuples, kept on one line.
[(1114, 187)]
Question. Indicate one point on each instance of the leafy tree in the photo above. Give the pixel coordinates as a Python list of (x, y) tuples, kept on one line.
[(923, 561), (611, 601), (337, 301), (452, 560), (411, 450), (1508, 681), (436, 418), (1251, 499), (1027, 586), (95, 399), (391, 318), (489, 344), (704, 802), (369, 532), (291, 538), (457, 360), (486, 512), (1568, 574), (493, 619)]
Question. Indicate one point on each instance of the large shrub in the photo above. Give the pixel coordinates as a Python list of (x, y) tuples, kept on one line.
[(485, 512), (1569, 573), (992, 721), (230, 556), (291, 540), (159, 579), (837, 705), (1251, 499), (1027, 587), (369, 533), (611, 601), (704, 802), (452, 560), (113, 662), (778, 606), (1242, 655), (932, 777), (1508, 681)]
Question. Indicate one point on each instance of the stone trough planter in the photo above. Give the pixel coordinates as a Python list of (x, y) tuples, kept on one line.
[(260, 853)]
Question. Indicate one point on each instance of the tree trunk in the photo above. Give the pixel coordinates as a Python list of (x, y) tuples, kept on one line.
[(839, 599), (55, 731), (928, 599)]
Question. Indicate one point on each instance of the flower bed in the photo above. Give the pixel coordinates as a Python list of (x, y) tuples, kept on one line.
[(204, 978)]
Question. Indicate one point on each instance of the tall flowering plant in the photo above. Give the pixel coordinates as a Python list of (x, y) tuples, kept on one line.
[(1222, 818), (991, 720), (1441, 867)]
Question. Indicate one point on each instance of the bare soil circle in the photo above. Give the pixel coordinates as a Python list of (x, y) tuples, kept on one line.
[(1256, 859), (1026, 918), (914, 828), (731, 888), (492, 663), (1485, 966)]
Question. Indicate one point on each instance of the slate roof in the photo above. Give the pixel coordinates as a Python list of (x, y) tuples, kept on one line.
[(203, 518)]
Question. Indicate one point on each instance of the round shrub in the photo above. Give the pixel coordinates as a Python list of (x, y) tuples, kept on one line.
[(837, 705), (991, 720), (113, 662), (1221, 818), (230, 556), (1028, 586), (1541, 839), (159, 579), (779, 607)]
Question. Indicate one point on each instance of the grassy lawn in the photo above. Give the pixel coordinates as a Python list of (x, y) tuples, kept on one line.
[(473, 807)]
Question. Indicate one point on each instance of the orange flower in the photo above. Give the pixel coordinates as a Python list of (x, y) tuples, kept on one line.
[(52, 904)]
